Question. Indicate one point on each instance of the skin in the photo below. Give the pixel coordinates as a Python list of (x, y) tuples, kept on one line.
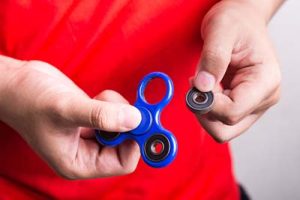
[(49, 111), (239, 64), (56, 118)]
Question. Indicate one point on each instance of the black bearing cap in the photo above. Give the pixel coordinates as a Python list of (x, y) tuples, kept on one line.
[(108, 135), (199, 102), (150, 147)]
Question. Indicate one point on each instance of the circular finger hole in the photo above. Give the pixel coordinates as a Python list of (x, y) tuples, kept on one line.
[(155, 90), (157, 147)]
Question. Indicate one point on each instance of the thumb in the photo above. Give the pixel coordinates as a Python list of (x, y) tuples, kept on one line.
[(216, 54), (103, 115)]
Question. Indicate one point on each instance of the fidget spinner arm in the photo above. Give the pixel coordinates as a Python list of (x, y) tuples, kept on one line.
[(158, 146)]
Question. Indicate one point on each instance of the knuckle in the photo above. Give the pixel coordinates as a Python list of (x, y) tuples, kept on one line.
[(98, 117), (275, 83), (129, 168), (221, 137), (232, 117), (226, 19), (214, 56), (218, 133), (106, 94), (66, 171), (221, 140), (59, 105), (214, 53), (217, 18), (276, 97), (66, 176), (55, 107), (230, 120)]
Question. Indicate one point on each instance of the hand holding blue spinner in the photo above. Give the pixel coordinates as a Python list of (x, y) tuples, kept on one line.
[(158, 146)]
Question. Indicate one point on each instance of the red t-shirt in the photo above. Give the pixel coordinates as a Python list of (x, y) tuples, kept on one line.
[(112, 44)]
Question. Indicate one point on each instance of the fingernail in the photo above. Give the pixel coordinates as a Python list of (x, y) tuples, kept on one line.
[(130, 117), (204, 81)]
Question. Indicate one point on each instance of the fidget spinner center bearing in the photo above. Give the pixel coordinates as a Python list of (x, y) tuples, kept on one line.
[(199, 102)]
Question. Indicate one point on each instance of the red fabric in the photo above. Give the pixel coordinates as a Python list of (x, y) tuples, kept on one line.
[(112, 44)]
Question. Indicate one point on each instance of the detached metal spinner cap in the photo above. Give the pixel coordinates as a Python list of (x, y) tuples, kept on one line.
[(199, 102)]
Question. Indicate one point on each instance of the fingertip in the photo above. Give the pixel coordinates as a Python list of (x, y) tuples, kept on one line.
[(130, 117), (204, 81)]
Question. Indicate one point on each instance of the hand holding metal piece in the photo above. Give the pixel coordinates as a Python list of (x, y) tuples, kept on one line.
[(199, 102), (158, 146)]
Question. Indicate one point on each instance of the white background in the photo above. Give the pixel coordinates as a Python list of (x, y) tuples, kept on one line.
[(267, 157)]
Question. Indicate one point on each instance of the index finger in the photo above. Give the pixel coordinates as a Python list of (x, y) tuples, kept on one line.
[(249, 91)]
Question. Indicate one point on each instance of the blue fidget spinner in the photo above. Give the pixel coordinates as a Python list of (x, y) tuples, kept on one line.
[(158, 146)]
